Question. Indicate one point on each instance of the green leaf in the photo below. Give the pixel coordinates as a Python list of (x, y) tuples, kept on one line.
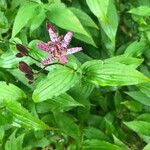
[(111, 74), (62, 103), (120, 143), (10, 91), (71, 129), (84, 18), (14, 143), (127, 60), (136, 48), (8, 60), (81, 90), (140, 97), (133, 105), (66, 19), (144, 117), (141, 127), (3, 21), (99, 145), (94, 133), (106, 12), (37, 21), (141, 11), (2, 133), (25, 13), (145, 88), (147, 147), (59, 80), (23, 118)]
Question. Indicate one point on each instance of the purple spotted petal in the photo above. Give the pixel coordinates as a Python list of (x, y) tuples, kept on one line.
[(73, 50), (67, 39), (63, 59), (52, 32), (45, 47), (47, 61)]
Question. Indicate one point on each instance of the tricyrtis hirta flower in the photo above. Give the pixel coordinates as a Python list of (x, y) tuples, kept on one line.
[(57, 47)]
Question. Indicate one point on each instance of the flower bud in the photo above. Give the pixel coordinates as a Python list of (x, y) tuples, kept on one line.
[(25, 67), (29, 76), (22, 49), (49, 25), (19, 55)]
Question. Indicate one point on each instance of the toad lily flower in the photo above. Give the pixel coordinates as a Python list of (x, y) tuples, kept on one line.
[(57, 47)]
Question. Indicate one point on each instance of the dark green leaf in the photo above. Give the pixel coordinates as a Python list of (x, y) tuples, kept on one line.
[(99, 145)]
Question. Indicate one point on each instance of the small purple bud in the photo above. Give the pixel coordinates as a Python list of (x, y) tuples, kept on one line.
[(22, 49), (49, 25), (29, 76), (25, 67), (19, 55)]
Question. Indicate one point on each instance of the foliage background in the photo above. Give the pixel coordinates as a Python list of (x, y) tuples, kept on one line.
[(102, 103)]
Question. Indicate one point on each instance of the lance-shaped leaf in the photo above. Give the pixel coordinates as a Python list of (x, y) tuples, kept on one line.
[(84, 18), (66, 19), (141, 127), (25, 13), (10, 91), (60, 103), (111, 74), (58, 81), (141, 11), (21, 117), (106, 13), (14, 142), (98, 144)]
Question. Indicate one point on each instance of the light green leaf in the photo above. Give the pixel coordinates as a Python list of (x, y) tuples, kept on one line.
[(144, 117), (99, 145), (37, 21), (120, 143), (145, 89), (66, 19), (8, 60), (136, 48), (147, 147), (106, 12), (84, 18), (3, 21), (62, 103), (133, 105), (14, 143), (111, 74), (2, 133), (10, 91), (21, 117), (140, 97), (59, 80), (127, 60), (141, 11), (141, 127), (25, 13), (94, 133), (81, 90)]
